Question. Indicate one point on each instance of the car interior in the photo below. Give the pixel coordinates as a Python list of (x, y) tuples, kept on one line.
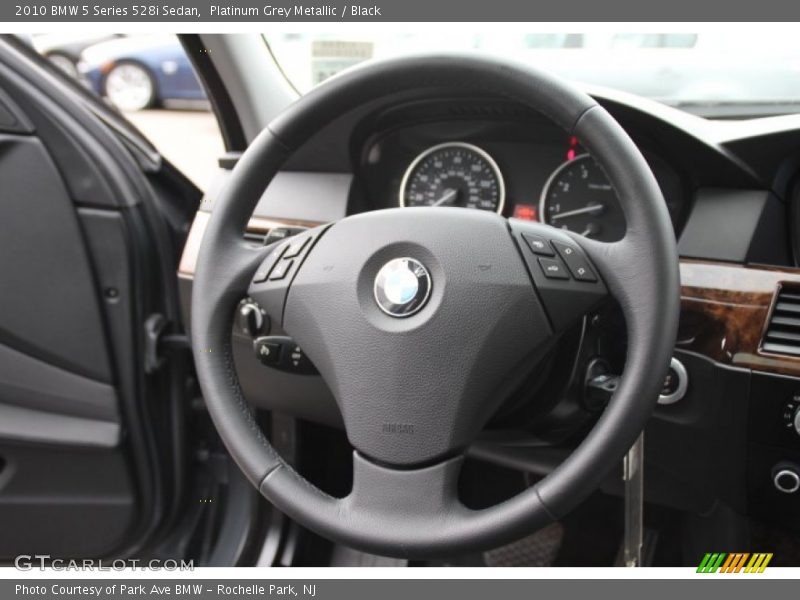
[(441, 310)]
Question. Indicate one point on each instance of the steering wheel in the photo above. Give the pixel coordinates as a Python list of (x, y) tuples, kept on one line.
[(423, 320)]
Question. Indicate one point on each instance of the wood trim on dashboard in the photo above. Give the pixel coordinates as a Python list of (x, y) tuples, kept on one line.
[(258, 225), (192, 246), (724, 306), (724, 312)]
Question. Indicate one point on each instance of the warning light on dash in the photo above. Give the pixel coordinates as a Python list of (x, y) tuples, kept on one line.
[(526, 212), (572, 152)]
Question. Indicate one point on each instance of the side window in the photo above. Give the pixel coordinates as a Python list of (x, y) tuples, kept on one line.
[(149, 78)]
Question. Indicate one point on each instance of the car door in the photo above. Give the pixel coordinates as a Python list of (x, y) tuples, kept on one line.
[(92, 446)]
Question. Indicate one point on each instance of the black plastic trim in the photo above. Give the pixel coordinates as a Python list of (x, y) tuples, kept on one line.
[(229, 124)]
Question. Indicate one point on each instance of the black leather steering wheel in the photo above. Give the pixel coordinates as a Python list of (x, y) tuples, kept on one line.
[(476, 313)]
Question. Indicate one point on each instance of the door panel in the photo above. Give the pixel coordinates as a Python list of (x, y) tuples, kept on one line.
[(85, 259), (52, 311), (35, 384), (63, 500), (66, 489)]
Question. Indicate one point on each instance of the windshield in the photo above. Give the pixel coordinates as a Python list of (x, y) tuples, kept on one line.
[(717, 73)]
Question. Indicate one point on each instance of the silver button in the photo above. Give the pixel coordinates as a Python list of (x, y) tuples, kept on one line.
[(677, 367)]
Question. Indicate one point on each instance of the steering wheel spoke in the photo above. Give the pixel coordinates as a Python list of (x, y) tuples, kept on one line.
[(272, 279), (424, 494), (569, 283)]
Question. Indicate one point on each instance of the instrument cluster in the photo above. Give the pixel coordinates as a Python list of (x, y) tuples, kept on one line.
[(550, 179)]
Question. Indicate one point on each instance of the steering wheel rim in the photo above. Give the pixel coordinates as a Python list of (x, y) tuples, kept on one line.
[(406, 506)]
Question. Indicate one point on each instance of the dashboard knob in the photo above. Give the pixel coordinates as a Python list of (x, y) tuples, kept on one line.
[(786, 477), (796, 420), (250, 318), (675, 384)]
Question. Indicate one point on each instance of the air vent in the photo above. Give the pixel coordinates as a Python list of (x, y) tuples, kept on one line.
[(783, 331)]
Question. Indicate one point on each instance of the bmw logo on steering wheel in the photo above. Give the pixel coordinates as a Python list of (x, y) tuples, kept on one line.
[(402, 287)]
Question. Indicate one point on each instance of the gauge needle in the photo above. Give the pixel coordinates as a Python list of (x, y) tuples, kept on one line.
[(592, 210), (448, 195)]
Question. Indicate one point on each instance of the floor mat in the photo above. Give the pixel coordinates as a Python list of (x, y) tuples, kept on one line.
[(537, 550)]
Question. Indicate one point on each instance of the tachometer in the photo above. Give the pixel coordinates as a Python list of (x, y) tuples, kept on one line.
[(454, 174), (578, 197)]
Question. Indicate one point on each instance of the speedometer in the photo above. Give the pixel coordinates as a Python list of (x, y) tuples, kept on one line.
[(579, 198), (453, 174)]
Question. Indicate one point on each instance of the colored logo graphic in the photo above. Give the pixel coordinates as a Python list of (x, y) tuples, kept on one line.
[(402, 287), (737, 562)]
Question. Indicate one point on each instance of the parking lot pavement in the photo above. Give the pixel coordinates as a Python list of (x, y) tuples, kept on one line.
[(189, 139)]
